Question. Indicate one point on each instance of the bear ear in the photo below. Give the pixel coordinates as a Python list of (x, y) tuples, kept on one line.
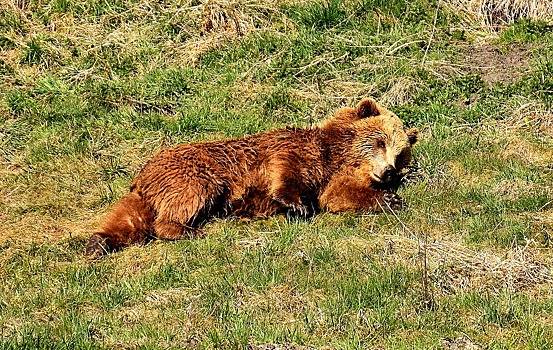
[(368, 108), (412, 135)]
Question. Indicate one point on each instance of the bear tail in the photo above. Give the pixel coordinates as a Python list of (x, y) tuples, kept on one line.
[(130, 221)]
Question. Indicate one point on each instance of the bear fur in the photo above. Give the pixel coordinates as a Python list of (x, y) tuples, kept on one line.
[(347, 163)]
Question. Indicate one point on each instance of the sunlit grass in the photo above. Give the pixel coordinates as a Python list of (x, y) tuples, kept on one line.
[(89, 90)]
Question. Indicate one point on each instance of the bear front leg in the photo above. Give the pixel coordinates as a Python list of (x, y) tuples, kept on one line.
[(289, 196), (286, 189), (346, 193)]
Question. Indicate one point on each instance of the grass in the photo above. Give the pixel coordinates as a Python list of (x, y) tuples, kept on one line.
[(91, 89)]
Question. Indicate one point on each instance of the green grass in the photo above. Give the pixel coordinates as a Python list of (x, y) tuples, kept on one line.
[(89, 90)]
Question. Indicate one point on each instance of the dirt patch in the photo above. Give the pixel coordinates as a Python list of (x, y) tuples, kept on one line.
[(496, 66)]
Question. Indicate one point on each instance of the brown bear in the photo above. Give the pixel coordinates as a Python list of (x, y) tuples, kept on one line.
[(347, 163)]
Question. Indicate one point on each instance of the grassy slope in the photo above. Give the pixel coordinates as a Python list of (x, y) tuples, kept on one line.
[(90, 89)]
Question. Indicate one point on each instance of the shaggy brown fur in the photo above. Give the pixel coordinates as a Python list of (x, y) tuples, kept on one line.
[(341, 165)]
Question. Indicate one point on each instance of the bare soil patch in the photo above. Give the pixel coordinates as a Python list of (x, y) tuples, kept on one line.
[(496, 66)]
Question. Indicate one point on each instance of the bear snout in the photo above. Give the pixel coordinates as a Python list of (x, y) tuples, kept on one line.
[(387, 175)]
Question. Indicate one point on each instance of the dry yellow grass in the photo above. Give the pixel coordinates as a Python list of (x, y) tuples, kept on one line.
[(489, 14)]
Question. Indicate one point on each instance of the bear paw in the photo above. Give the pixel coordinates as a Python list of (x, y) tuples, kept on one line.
[(298, 210), (391, 201), (295, 207), (96, 247)]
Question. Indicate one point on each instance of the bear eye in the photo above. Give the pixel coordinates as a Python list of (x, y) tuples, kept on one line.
[(380, 143)]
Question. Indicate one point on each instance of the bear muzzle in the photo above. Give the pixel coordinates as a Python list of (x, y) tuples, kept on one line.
[(388, 174)]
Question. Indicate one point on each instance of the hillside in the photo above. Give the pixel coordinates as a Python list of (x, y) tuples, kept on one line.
[(90, 89)]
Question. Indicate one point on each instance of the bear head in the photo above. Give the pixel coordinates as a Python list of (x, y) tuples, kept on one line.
[(380, 137)]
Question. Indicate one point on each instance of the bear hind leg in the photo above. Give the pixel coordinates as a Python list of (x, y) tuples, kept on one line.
[(183, 217), (128, 222)]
